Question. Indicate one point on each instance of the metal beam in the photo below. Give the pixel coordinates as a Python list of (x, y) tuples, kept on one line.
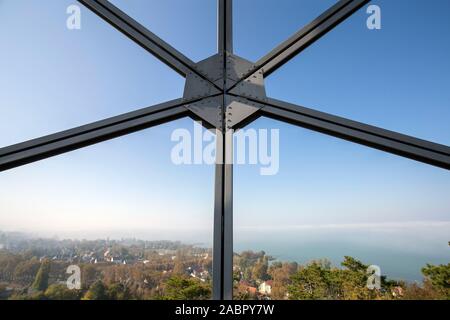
[(218, 241), (141, 35), (305, 37), (223, 190), (65, 141), (225, 26), (223, 218), (228, 218), (309, 34), (406, 146)]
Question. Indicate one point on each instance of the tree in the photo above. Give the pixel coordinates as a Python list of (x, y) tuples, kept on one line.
[(281, 275), (39, 295), (424, 291), (436, 284), (41, 281), (179, 267), (310, 282), (318, 280), (184, 288), (260, 269), (61, 292), (26, 271), (90, 275), (8, 264), (439, 277), (119, 291), (97, 291), (354, 265)]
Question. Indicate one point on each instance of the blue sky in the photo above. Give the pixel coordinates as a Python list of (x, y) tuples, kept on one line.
[(52, 79)]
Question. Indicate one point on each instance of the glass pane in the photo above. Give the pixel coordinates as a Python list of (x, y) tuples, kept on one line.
[(260, 26), (116, 210), (397, 77), (53, 78), (331, 199), (189, 26)]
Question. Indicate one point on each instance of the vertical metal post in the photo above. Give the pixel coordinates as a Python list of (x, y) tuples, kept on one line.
[(217, 292), (223, 218), (225, 26), (228, 218), (223, 206)]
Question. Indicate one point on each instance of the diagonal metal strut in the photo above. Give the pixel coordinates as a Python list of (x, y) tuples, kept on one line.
[(403, 145), (72, 139), (305, 37), (143, 37)]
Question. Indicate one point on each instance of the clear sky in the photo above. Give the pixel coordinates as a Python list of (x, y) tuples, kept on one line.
[(52, 79)]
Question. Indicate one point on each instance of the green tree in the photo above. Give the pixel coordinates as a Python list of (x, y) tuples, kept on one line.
[(184, 288), (439, 277), (41, 281), (119, 291), (318, 280), (97, 291), (310, 282), (354, 265), (61, 292), (33, 296)]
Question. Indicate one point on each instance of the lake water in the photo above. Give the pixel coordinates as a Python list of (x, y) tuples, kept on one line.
[(399, 252)]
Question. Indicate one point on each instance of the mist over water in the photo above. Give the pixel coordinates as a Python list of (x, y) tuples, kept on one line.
[(199, 237)]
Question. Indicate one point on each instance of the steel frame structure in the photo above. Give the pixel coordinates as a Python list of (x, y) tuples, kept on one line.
[(225, 92)]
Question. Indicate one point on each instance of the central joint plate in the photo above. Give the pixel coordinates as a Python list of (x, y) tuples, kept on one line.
[(222, 97)]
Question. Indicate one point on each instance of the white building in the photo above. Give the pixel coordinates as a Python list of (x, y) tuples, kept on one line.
[(265, 287)]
